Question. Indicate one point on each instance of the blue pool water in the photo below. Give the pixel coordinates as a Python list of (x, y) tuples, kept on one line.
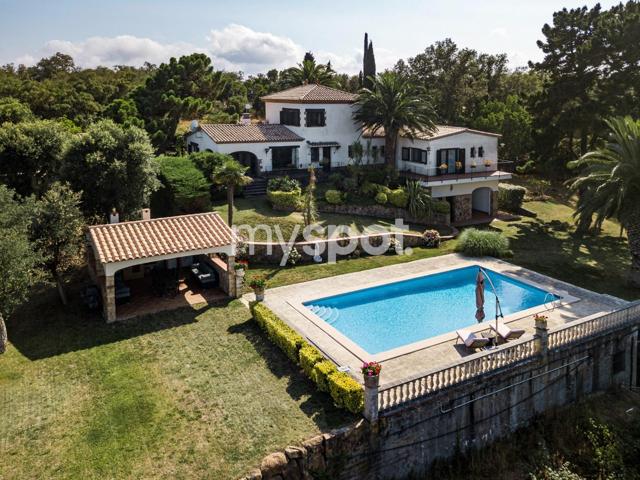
[(396, 314)]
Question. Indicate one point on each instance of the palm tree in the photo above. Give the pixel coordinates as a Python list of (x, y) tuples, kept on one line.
[(309, 72), (231, 174), (609, 185), (394, 104)]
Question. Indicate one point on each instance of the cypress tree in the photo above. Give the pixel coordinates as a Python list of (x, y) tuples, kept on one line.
[(368, 62)]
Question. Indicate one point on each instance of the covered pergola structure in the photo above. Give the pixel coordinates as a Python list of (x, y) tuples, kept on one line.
[(118, 246)]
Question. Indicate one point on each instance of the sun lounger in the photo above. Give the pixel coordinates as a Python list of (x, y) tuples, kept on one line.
[(507, 333), (471, 340)]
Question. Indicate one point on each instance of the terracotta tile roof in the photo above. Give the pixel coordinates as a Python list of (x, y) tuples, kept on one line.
[(441, 131), (119, 242), (311, 93), (234, 133)]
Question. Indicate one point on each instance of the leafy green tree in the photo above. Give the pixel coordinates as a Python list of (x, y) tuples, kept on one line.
[(31, 154), (14, 111), (609, 185), (208, 162), (512, 120), (124, 112), (52, 66), (260, 85), (56, 231), (309, 72), (186, 185), (396, 104), (179, 89), (112, 165), (231, 175), (18, 260)]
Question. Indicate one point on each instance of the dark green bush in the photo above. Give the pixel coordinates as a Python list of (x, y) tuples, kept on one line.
[(510, 197), (186, 190), (283, 184), (207, 162), (441, 206), (286, 200), (336, 180), (480, 243), (333, 197)]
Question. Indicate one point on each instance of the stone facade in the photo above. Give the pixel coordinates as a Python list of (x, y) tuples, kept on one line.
[(461, 208), (406, 441), (494, 203), (381, 211)]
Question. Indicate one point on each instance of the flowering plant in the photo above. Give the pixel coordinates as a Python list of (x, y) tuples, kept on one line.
[(241, 265), (443, 166), (258, 283), (371, 369), (473, 165), (538, 317), (487, 163)]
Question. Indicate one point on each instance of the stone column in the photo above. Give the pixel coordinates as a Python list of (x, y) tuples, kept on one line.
[(371, 397), (542, 337), (494, 203), (462, 211), (109, 298), (231, 276)]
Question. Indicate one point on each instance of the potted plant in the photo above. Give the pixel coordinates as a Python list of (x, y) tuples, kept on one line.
[(458, 165), (241, 268), (371, 374), (541, 320), (258, 285), (473, 165), (487, 163), (443, 168)]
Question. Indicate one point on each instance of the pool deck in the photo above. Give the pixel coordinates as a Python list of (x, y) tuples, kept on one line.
[(429, 354)]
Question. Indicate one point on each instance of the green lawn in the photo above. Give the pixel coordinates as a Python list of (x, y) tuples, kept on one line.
[(185, 394)]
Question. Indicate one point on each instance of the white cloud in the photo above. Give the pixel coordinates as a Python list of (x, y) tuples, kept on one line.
[(234, 47), (109, 51), (499, 32)]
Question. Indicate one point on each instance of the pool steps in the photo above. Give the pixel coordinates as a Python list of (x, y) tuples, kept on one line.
[(328, 314)]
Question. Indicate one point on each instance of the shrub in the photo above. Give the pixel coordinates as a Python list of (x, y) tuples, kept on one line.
[(309, 356), (287, 200), (336, 180), (283, 184), (382, 188), (510, 197), (350, 184), (368, 189), (346, 392), (381, 198), (478, 243), (185, 187), (431, 238), (321, 372), (442, 206), (334, 197), (294, 256), (207, 162), (278, 332), (398, 198)]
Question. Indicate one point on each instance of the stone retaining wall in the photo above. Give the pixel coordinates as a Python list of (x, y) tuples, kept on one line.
[(381, 211), (405, 442)]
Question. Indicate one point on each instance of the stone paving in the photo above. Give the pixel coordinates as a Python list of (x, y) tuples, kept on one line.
[(421, 358)]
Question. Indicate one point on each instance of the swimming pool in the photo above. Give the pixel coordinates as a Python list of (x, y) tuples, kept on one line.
[(396, 314)]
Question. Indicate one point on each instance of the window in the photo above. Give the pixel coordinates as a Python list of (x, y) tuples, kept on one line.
[(193, 147), (406, 154), (315, 117), (382, 151), (619, 362), (290, 116), (315, 154), (472, 152), (481, 152), (283, 157), (453, 158), (418, 155), (350, 151)]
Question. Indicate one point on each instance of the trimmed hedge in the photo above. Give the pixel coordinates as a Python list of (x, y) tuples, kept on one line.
[(334, 197), (278, 332), (346, 392), (309, 356), (510, 197), (381, 198), (480, 243), (442, 206), (283, 184), (289, 200), (398, 198)]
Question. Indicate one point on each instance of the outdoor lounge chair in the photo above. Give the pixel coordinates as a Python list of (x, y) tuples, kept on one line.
[(507, 333), (471, 340)]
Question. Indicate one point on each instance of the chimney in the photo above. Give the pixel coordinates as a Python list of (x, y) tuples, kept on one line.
[(146, 214), (114, 216)]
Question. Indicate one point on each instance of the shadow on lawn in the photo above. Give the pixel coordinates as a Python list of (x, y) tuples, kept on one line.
[(43, 328), (317, 405)]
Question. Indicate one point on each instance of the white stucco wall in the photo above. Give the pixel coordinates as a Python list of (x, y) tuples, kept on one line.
[(462, 188), (339, 127), (464, 140)]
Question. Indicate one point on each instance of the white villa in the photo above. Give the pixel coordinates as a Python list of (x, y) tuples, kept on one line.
[(312, 125)]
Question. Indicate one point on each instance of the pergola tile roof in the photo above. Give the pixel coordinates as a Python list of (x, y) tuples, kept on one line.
[(312, 93), (440, 131), (119, 242), (235, 133)]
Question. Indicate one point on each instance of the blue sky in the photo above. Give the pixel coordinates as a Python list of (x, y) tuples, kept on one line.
[(254, 36)]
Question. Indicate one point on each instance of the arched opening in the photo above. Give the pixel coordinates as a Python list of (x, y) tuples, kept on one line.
[(481, 200), (249, 160)]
